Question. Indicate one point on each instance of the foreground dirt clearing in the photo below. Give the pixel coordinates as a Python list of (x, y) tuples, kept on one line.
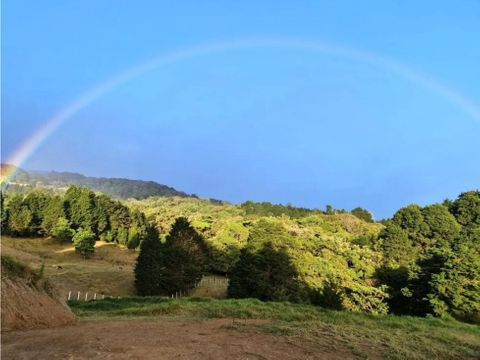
[(156, 339)]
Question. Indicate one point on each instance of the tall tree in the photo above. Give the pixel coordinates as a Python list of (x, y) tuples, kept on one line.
[(20, 219), (81, 208), (54, 210), (149, 269), (185, 253), (266, 274)]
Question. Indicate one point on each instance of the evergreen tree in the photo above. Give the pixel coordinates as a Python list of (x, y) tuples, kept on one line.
[(185, 252), (150, 267), (176, 265), (267, 274)]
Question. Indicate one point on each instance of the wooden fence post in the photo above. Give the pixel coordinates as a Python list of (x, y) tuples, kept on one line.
[(78, 296), (69, 294), (86, 296)]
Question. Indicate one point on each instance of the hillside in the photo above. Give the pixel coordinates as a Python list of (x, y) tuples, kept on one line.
[(29, 300), (114, 187)]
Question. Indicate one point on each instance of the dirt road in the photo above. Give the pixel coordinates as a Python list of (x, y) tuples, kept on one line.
[(156, 339)]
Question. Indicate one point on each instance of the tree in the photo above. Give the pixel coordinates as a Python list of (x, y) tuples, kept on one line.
[(81, 208), (363, 214), (441, 227), (4, 214), (36, 202), (134, 238), (19, 217), (84, 242), (466, 208), (396, 245), (150, 265), (176, 265), (410, 218), (122, 236), (62, 230), (455, 289), (53, 211), (185, 254), (267, 274)]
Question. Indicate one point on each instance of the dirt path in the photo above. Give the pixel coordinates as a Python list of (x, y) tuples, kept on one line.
[(156, 339)]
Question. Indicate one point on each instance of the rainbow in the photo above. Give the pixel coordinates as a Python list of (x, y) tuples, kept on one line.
[(90, 96)]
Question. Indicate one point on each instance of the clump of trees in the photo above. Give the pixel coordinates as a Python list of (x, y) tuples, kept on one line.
[(432, 259), (78, 211), (164, 268), (280, 265)]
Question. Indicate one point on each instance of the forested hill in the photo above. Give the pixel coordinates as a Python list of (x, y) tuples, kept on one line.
[(114, 187)]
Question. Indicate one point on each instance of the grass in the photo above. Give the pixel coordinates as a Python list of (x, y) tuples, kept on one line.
[(14, 270), (109, 271), (366, 336)]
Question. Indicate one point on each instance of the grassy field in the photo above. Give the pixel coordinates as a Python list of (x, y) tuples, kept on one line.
[(366, 336), (109, 271)]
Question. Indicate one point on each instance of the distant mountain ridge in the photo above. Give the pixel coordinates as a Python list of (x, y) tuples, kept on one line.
[(113, 187)]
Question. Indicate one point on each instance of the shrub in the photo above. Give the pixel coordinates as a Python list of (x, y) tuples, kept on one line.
[(84, 242)]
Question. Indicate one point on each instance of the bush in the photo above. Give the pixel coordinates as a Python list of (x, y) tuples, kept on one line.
[(62, 231), (84, 242)]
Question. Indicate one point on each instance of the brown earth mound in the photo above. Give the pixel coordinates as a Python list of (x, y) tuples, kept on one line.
[(28, 301)]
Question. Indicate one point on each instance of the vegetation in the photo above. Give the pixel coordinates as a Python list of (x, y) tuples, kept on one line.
[(13, 269), (423, 261), (432, 259), (174, 266), (385, 336), (116, 188), (39, 213), (84, 242)]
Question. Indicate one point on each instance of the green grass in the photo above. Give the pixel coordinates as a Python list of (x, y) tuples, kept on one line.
[(390, 337)]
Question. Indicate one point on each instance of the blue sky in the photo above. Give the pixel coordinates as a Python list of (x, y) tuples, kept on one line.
[(284, 125)]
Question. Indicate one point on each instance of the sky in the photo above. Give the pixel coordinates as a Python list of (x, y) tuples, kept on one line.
[(284, 123)]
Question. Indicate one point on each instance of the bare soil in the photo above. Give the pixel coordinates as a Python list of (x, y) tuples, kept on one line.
[(159, 339)]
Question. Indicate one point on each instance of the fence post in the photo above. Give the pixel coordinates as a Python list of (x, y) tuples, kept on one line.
[(103, 296), (69, 294), (86, 296), (78, 296), (95, 296)]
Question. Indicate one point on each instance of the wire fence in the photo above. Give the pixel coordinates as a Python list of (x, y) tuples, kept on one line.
[(207, 282)]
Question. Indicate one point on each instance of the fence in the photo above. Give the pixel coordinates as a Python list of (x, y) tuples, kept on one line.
[(83, 296), (209, 286)]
